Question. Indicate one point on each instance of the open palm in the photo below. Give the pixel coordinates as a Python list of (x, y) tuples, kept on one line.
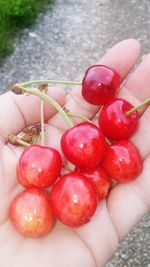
[(94, 243)]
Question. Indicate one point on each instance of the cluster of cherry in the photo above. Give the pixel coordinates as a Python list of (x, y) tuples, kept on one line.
[(99, 155)]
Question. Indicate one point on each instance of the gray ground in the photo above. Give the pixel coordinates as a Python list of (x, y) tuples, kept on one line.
[(67, 39)]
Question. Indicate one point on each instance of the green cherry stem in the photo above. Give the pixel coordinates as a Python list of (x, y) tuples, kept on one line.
[(70, 114), (42, 88), (108, 141), (14, 140), (49, 100), (42, 122), (21, 142), (145, 102), (24, 84), (67, 168)]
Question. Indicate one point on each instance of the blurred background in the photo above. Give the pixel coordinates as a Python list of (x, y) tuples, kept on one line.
[(59, 39)]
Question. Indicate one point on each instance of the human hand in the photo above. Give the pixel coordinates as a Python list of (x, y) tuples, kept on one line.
[(94, 243)]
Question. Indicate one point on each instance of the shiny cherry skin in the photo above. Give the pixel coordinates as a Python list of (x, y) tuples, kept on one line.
[(84, 145), (38, 166), (99, 178), (100, 84), (73, 199), (114, 122), (31, 213), (122, 161)]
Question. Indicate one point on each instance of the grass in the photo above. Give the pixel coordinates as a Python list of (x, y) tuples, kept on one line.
[(15, 15)]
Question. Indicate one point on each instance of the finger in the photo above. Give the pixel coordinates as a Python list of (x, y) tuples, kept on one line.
[(141, 137), (9, 156), (122, 58), (127, 203), (136, 89), (19, 111), (139, 81)]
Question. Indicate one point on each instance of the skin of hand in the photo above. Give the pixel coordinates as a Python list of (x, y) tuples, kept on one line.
[(93, 244)]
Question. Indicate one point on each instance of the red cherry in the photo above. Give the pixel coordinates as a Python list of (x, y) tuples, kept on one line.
[(31, 213), (123, 161), (99, 178), (100, 84), (73, 199), (115, 123), (84, 145), (38, 166)]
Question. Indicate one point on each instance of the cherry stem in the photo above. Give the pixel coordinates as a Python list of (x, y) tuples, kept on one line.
[(70, 114), (42, 123), (67, 168), (21, 142), (35, 138), (49, 100), (14, 140), (108, 141), (24, 84), (129, 112)]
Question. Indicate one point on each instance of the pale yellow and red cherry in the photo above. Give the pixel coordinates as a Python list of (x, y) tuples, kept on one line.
[(73, 199), (38, 166), (100, 179), (100, 84), (114, 122), (31, 213), (122, 161), (84, 145)]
